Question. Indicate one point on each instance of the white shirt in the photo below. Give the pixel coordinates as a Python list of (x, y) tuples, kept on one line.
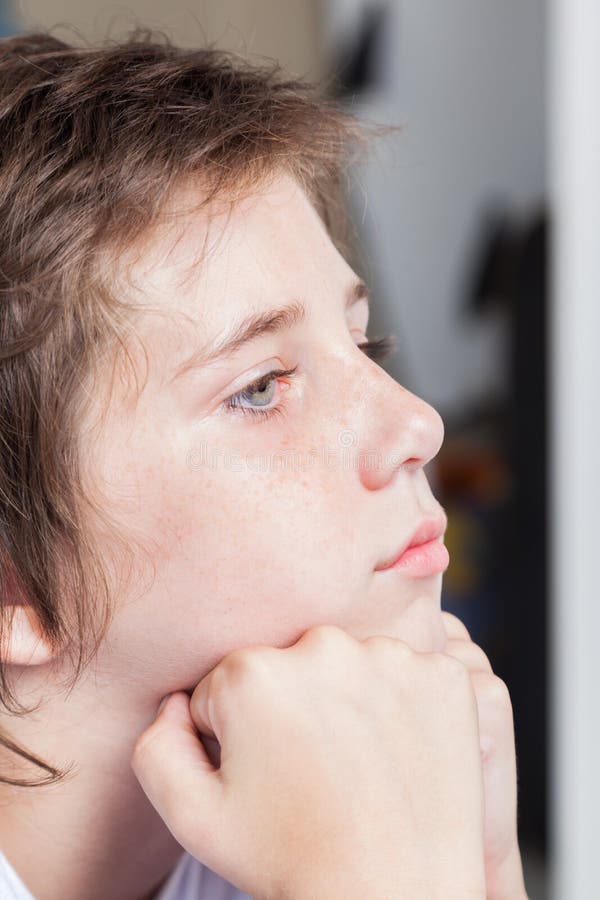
[(189, 880)]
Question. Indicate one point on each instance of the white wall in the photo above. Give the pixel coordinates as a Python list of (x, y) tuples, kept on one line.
[(575, 479)]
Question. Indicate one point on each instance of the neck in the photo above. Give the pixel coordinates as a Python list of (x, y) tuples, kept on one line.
[(95, 834)]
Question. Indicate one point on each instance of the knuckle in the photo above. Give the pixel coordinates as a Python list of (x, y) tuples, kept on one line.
[(325, 635), (390, 659), (141, 746), (242, 667), (456, 626), (387, 648), (482, 657), (450, 668), (137, 754), (497, 693)]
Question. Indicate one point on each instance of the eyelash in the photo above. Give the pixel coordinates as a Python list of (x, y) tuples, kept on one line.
[(377, 350)]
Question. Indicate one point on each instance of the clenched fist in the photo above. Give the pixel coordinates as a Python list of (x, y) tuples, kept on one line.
[(348, 769)]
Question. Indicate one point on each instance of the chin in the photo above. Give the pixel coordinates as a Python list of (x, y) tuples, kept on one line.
[(422, 626)]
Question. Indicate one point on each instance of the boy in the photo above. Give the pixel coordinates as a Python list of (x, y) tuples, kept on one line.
[(174, 314)]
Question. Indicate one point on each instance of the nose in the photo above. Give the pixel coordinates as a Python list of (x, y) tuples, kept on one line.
[(395, 430)]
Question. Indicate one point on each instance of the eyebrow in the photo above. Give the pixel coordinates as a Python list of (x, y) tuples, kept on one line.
[(254, 326)]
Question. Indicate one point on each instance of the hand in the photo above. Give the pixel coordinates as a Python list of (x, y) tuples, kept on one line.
[(503, 867), (348, 769)]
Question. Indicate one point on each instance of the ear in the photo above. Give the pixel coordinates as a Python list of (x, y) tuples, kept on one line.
[(24, 644)]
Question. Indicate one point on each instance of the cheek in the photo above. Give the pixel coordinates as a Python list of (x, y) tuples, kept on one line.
[(255, 556)]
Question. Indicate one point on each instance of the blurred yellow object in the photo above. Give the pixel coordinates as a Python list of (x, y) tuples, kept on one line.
[(464, 541)]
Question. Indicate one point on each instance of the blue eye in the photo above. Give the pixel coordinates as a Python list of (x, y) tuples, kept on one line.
[(260, 389), (261, 393)]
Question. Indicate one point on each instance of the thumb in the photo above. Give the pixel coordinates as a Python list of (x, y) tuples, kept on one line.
[(176, 774)]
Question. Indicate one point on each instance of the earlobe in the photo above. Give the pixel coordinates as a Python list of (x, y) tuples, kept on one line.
[(24, 644)]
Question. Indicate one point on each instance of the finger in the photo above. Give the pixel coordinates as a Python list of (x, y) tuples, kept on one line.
[(497, 741), (470, 654), (495, 713), (176, 774), (455, 628)]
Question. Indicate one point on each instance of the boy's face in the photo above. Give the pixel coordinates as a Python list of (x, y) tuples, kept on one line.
[(263, 526)]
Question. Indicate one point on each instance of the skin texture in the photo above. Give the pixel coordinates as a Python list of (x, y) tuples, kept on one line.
[(349, 769), (242, 556), (502, 857)]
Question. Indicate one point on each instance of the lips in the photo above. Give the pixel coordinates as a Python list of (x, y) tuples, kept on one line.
[(427, 530)]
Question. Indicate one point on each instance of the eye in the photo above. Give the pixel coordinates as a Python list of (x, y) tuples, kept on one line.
[(260, 393), (261, 390), (380, 348)]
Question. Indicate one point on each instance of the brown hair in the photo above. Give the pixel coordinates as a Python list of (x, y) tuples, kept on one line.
[(93, 140)]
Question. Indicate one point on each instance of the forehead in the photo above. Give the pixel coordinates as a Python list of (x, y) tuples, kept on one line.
[(229, 250), (203, 266)]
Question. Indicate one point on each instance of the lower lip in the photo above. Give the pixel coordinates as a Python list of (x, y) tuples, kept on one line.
[(425, 559)]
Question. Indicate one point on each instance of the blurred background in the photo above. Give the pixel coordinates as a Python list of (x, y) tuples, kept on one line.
[(495, 318)]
